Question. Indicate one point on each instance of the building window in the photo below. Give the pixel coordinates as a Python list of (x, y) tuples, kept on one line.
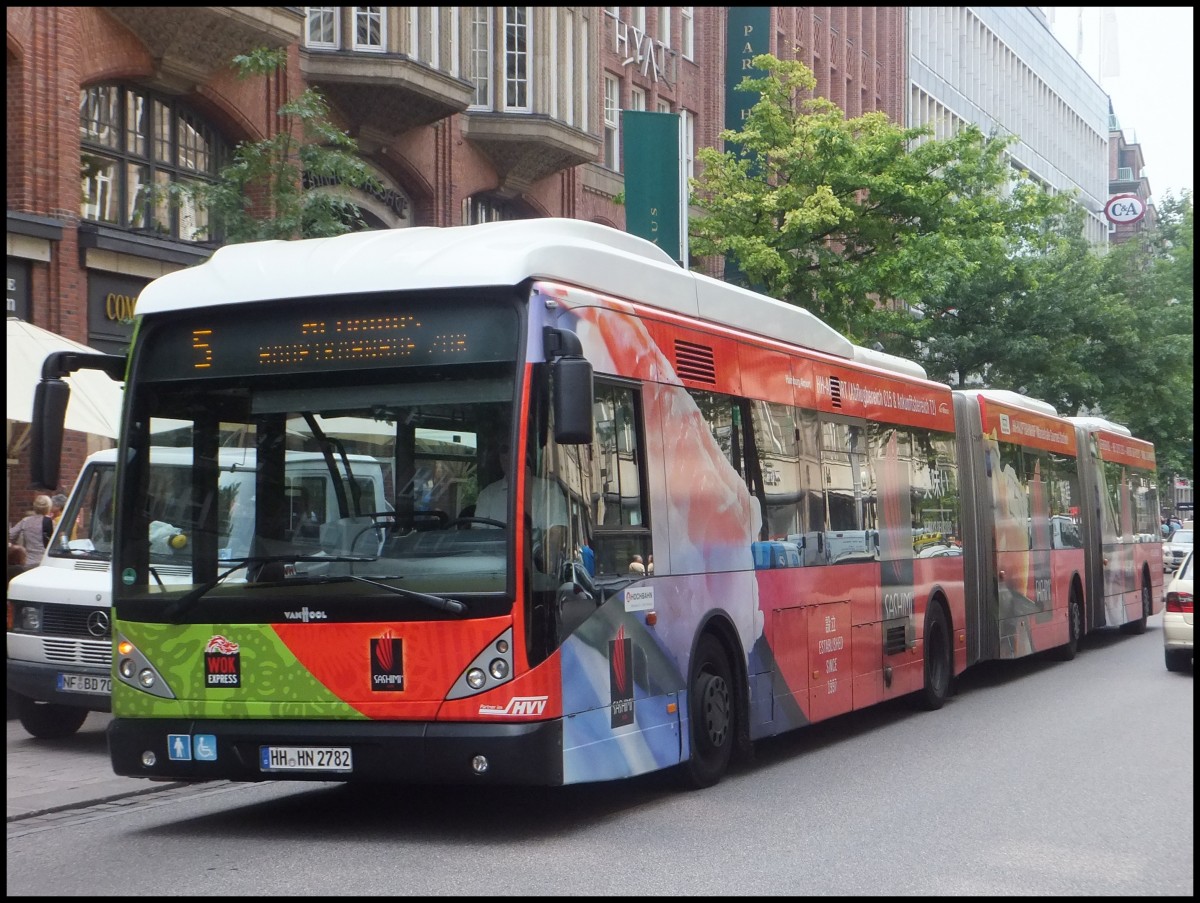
[(687, 32), (664, 25), (612, 119), (637, 99), (638, 14), (370, 28), (321, 28), (131, 140), (516, 58), (487, 209), (481, 56)]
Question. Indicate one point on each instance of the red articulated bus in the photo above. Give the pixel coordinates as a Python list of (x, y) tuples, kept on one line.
[(636, 518)]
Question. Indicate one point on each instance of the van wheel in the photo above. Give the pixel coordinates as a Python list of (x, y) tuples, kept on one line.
[(712, 711), (48, 720)]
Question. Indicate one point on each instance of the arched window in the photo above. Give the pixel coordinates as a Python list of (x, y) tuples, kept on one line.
[(132, 139)]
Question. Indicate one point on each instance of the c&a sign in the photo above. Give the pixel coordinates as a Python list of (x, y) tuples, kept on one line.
[(1125, 209)]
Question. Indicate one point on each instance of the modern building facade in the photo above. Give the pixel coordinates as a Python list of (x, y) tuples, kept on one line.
[(1002, 69)]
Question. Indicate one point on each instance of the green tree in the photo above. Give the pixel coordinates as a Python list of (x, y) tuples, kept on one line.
[(1147, 368), (835, 214), (285, 185)]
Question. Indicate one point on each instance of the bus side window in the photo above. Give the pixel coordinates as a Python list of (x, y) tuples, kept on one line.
[(619, 518)]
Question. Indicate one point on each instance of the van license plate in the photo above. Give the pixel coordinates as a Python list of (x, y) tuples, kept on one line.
[(306, 758), (85, 683)]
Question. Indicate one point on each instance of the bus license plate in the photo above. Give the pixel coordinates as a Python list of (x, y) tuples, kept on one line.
[(306, 758), (85, 683)]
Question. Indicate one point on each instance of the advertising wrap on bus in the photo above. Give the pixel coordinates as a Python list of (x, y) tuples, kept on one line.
[(628, 518)]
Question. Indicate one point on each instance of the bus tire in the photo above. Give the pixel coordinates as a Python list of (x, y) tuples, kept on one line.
[(712, 710), (48, 720), (939, 659), (1138, 627), (1068, 650)]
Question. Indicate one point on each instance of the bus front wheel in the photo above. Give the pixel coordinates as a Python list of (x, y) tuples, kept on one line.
[(711, 714)]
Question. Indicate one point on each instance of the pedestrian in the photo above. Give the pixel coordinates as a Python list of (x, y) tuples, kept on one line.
[(16, 559), (57, 504), (32, 532)]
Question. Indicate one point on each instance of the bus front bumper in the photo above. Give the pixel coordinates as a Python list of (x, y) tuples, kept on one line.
[(529, 754)]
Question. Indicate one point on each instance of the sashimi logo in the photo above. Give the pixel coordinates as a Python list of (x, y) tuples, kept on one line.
[(387, 662), (222, 663), (620, 678)]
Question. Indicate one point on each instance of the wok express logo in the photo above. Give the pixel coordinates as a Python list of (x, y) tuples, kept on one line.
[(222, 663)]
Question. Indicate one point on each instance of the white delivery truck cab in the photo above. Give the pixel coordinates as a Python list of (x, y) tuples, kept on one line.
[(59, 631)]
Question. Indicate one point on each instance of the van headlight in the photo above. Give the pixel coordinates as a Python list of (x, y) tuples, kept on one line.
[(27, 618)]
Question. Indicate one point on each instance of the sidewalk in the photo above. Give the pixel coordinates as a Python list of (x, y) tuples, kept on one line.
[(49, 775)]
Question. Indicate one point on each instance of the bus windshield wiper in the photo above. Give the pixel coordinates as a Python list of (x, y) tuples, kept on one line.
[(439, 602), (190, 598)]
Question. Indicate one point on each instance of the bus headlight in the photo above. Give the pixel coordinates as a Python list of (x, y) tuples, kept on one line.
[(476, 678), (498, 668)]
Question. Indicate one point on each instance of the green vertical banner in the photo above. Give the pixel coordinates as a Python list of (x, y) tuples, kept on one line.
[(748, 31), (749, 34), (655, 199)]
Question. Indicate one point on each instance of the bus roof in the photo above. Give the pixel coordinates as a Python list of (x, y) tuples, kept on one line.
[(1099, 423), (1013, 400), (575, 252)]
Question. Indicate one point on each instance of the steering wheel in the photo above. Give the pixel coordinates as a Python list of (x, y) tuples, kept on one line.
[(442, 518), (461, 522)]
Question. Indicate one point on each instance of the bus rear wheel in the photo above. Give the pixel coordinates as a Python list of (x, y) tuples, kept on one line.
[(939, 660), (712, 711), (1138, 627), (1070, 648)]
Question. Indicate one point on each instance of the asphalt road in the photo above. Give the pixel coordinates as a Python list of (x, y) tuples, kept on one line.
[(1037, 778)]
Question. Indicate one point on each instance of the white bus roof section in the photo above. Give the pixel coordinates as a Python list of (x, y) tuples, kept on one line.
[(1099, 423), (1013, 400), (571, 251)]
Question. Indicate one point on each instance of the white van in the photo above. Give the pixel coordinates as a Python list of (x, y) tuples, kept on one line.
[(59, 631)]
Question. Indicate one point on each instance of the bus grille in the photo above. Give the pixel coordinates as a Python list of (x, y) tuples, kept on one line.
[(895, 641), (835, 391), (695, 362)]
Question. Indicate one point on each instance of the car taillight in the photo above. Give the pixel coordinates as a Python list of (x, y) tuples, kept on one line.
[(1180, 602)]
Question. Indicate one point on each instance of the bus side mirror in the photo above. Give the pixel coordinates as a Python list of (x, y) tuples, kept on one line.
[(50, 398), (571, 385)]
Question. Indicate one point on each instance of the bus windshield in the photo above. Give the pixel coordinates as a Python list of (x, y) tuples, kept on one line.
[(343, 477)]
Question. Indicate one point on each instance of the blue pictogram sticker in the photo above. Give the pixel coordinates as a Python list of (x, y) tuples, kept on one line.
[(179, 747), (206, 747)]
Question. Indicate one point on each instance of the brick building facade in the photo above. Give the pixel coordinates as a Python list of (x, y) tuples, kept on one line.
[(465, 114)]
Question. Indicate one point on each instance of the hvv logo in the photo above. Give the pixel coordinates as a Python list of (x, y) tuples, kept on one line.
[(518, 705)]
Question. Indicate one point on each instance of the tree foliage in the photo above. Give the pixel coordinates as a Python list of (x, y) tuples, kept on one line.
[(285, 186), (941, 252), (835, 214)]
